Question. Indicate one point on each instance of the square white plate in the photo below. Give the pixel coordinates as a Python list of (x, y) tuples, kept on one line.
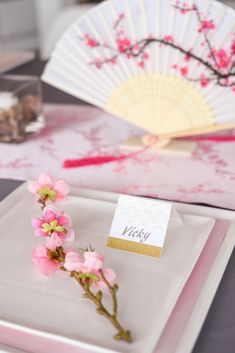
[(149, 288)]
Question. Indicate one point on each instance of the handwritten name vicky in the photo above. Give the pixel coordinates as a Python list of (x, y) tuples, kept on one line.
[(133, 232)]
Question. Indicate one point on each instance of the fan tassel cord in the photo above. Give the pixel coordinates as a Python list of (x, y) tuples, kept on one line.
[(98, 160)]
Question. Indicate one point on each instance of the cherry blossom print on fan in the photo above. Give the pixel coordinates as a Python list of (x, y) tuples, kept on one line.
[(171, 78)]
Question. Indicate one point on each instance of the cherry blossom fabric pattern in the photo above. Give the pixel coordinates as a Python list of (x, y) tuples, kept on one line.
[(72, 132)]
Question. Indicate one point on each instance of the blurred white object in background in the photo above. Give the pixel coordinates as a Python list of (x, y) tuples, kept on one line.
[(38, 24), (229, 2), (54, 19), (60, 25), (11, 59), (18, 29), (46, 13)]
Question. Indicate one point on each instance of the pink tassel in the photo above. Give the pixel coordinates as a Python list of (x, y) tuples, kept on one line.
[(98, 160), (215, 138), (88, 161)]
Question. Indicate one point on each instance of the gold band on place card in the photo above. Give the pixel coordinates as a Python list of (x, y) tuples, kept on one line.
[(138, 248)]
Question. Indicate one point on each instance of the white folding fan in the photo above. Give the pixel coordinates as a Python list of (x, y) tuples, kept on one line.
[(166, 66)]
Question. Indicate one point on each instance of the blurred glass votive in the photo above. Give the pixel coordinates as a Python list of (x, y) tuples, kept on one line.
[(20, 107)]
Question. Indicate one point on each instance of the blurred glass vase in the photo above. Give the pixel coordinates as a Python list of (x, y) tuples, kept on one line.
[(20, 107)]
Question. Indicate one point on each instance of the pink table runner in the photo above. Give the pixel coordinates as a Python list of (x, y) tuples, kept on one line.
[(79, 131)]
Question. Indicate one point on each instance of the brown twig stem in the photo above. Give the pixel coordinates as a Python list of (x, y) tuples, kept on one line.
[(122, 334), (42, 202)]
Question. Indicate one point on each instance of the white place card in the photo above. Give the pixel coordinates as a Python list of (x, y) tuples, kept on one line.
[(140, 225)]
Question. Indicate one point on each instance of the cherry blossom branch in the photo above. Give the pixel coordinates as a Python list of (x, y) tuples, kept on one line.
[(87, 269), (100, 308), (144, 43), (220, 64), (85, 280), (113, 290), (203, 25)]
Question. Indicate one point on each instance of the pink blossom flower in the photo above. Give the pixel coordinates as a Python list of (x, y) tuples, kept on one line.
[(109, 275), (135, 51), (97, 62), (223, 58), (90, 265), (43, 263), (121, 31), (184, 8), (136, 47), (187, 57), (232, 48), (168, 38), (145, 56), (53, 222), (47, 189), (90, 42), (174, 66), (73, 261), (141, 64), (184, 70), (53, 242), (206, 25), (114, 61), (123, 44), (184, 11), (227, 82), (92, 262), (204, 81)]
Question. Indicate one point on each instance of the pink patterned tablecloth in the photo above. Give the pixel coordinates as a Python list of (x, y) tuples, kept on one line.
[(71, 132)]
